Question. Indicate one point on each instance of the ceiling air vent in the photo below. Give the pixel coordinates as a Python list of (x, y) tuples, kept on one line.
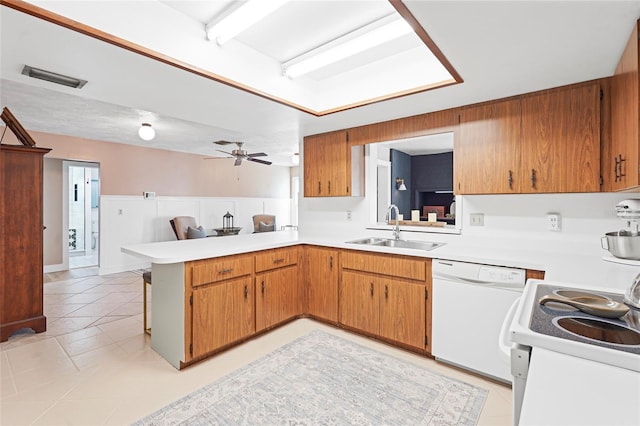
[(53, 77)]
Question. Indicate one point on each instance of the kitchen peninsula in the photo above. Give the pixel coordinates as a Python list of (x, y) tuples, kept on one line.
[(211, 293)]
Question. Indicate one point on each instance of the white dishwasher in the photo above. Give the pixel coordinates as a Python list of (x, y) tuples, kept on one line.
[(470, 302)]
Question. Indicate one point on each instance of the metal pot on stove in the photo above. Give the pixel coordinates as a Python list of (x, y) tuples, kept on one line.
[(625, 244)]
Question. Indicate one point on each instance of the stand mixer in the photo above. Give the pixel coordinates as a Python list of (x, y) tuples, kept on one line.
[(629, 210), (625, 244)]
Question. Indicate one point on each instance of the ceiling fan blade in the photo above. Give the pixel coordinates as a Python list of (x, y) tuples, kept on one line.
[(228, 153), (223, 142), (216, 158), (238, 161), (257, 154), (255, 160)]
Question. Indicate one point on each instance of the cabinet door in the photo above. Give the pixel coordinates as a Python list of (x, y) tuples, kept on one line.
[(327, 165), (560, 149), (486, 150), (322, 283), (402, 312), (625, 117), (277, 297), (222, 314), (359, 302)]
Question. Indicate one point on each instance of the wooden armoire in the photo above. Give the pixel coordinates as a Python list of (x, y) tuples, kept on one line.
[(21, 239)]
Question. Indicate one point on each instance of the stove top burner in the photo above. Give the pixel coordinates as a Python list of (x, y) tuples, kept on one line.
[(555, 320)]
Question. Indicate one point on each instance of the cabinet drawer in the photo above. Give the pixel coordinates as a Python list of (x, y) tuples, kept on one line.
[(277, 258), (223, 268), (392, 265)]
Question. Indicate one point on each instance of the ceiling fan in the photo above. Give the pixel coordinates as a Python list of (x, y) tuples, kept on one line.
[(240, 154)]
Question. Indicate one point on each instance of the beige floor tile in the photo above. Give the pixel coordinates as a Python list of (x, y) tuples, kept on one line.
[(70, 324), (21, 413), (56, 298), (44, 374), (80, 412), (78, 335), (7, 386), (84, 298), (37, 355), (128, 309), (94, 310), (118, 298), (58, 311), (110, 318), (100, 357), (136, 344), (87, 344)]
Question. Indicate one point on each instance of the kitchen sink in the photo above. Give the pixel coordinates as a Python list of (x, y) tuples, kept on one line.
[(386, 242)]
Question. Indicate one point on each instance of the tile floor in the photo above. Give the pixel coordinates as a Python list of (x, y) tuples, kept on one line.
[(94, 365)]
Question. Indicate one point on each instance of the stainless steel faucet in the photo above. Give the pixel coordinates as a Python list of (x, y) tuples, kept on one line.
[(396, 230)]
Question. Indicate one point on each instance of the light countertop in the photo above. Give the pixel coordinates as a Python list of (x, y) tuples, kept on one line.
[(560, 263)]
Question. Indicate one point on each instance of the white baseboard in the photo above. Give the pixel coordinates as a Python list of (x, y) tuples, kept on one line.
[(106, 270), (55, 268)]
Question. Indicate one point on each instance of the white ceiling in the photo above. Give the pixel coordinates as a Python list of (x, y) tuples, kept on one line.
[(499, 48)]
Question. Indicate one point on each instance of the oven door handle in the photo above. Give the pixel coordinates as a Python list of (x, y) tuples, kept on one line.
[(504, 340)]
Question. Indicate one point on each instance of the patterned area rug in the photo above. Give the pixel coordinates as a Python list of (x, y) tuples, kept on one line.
[(321, 379)]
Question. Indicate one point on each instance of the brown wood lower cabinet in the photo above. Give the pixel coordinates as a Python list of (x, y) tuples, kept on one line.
[(278, 297), (321, 281), (386, 306), (222, 314)]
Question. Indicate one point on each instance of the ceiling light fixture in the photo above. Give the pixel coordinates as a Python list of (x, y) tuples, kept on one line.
[(346, 46), (240, 19), (53, 77), (146, 132)]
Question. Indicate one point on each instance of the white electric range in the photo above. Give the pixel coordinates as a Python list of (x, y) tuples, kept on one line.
[(561, 377)]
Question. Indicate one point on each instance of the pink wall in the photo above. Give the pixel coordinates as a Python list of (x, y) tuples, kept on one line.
[(131, 170)]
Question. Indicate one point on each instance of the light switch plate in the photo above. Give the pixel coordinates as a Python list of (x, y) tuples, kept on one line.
[(149, 195)]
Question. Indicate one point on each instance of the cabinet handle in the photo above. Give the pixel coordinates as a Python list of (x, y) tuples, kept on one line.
[(225, 271), (618, 167), (371, 288), (329, 187), (533, 178), (331, 262), (276, 261), (386, 291), (319, 186), (509, 180), (246, 291), (262, 287)]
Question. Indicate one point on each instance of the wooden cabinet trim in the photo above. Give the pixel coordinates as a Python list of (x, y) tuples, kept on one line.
[(385, 264), (219, 269), (276, 258)]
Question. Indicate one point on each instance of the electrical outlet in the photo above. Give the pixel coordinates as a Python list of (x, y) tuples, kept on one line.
[(477, 219), (348, 214), (149, 195), (119, 212), (553, 222)]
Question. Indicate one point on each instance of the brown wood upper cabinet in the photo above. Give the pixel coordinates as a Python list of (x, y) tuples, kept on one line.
[(332, 167), (542, 143), (486, 152), (625, 118)]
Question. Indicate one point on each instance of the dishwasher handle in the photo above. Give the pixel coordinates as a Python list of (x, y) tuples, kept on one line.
[(504, 340)]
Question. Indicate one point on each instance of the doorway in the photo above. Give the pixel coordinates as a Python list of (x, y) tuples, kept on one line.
[(82, 199)]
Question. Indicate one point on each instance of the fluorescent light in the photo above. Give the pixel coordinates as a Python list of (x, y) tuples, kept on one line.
[(240, 19), (146, 132), (368, 40), (53, 77)]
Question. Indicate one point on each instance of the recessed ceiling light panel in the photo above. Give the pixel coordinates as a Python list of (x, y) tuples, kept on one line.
[(53, 77)]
